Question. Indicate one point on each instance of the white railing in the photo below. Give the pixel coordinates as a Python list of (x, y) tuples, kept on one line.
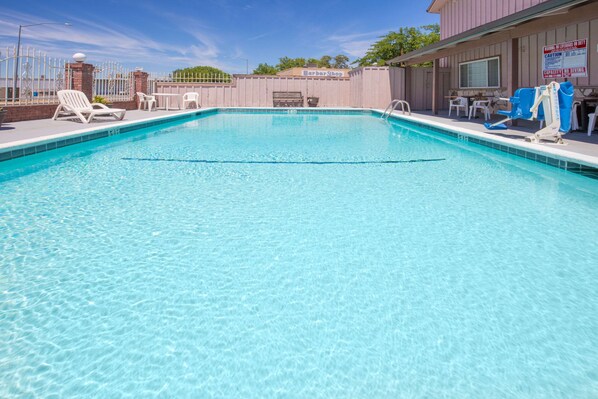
[(33, 78), (113, 81)]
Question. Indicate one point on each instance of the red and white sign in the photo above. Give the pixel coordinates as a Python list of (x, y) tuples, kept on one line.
[(566, 60)]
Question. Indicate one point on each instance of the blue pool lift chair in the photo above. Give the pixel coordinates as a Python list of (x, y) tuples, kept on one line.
[(521, 104), (557, 101)]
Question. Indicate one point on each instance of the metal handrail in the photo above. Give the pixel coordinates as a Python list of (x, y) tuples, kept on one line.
[(393, 106)]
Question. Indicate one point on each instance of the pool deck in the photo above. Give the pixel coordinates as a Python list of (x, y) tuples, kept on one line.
[(13, 133), (578, 146), (577, 141)]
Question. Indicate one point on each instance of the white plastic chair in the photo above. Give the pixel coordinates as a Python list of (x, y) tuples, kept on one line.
[(482, 105), (146, 101), (574, 121), (458, 103), (76, 102), (591, 122), (189, 98)]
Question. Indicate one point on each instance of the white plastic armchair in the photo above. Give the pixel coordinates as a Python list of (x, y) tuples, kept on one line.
[(482, 105), (146, 101), (191, 97), (458, 103), (74, 102), (592, 122)]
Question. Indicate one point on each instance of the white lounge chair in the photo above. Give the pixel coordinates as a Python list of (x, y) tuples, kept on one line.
[(458, 103), (189, 98), (76, 102), (146, 101)]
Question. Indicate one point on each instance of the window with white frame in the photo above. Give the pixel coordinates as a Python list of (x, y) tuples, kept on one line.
[(480, 73)]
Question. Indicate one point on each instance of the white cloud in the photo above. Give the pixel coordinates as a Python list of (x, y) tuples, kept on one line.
[(108, 42), (356, 44)]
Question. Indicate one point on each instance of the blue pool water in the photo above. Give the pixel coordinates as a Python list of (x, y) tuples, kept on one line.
[(302, 256)]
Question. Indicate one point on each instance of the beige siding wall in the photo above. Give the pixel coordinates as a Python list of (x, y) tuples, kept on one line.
[(419, 88), (376, 87), (530, 52), (461, 15), (530, 55), (370, 87), (256, 91), (500, 49), (356, 87)]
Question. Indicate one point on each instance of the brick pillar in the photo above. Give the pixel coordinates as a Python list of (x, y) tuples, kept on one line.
[(140, 79), (82, 77)]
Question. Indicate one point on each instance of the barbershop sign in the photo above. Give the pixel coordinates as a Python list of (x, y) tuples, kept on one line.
[(330, 74), (566, 60)]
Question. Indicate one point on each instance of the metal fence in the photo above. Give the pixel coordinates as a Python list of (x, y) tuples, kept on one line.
[(31, 78), (183, 77), (113, 81)]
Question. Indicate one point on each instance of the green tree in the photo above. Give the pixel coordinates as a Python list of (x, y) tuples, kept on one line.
[(265, 69), (398, 43), (324, 62), (200, 74), (288, 63), (341, 62)]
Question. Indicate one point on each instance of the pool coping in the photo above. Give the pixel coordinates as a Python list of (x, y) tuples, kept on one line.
[(557, 157), (17, 149)]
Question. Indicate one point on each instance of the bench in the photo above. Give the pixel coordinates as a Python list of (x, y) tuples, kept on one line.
[(287, 98)]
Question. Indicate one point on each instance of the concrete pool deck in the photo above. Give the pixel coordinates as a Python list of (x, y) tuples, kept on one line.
[(15, 132), (577, 142), (579, 147)]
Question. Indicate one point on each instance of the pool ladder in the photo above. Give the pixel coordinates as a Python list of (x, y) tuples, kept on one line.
[(393, 106)]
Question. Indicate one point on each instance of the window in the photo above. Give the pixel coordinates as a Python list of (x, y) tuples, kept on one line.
[(480, 73)]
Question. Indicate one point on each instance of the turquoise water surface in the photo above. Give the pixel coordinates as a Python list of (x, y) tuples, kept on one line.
[(295, 256)]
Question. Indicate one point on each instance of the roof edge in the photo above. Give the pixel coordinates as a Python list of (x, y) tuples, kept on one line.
[(435, 6)]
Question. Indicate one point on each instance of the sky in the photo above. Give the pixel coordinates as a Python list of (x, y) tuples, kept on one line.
[(160, 36)]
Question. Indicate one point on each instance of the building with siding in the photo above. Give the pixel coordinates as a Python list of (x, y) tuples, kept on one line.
[(490, 46)]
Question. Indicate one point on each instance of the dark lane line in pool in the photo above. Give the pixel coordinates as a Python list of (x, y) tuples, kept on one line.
[(283, 162)]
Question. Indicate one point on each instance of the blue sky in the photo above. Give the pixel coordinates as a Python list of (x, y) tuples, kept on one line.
[(164, 35)]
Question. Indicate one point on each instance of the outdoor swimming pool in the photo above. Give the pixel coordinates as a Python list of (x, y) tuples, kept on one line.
[(269, 255)]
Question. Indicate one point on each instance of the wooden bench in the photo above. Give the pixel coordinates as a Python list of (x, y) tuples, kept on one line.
[(287, 98)]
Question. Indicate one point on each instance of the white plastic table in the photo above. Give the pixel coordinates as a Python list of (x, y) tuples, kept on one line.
[(167, 97)]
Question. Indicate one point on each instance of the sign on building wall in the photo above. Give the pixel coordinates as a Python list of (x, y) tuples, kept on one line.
[(566, 60), (334, 74)]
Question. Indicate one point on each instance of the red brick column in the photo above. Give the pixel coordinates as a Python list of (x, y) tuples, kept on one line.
[(82, 78), (140, 79)]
